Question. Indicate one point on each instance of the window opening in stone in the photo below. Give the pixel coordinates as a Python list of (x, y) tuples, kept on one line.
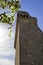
[(21, 15), (24, 15), (27, 16)]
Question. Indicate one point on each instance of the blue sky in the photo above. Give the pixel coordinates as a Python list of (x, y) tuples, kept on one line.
[(34, 8), (7, 51)]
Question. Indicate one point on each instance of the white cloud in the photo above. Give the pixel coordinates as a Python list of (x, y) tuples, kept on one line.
[(7, 51), (6, 62)]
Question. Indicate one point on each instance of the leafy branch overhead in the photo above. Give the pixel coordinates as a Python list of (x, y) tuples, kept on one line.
[(12, 6)]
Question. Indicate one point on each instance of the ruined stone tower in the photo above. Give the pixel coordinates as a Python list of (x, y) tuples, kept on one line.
[(28, 40)]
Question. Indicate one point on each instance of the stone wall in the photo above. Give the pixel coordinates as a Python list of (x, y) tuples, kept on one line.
[(30, 40)]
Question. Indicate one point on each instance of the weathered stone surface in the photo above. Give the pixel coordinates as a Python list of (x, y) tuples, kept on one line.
[(30, 40)]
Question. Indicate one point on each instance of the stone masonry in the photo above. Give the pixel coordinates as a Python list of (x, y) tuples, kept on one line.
[(28, 40)]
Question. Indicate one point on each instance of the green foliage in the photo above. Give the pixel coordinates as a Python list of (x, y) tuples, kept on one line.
[(13, 6)]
